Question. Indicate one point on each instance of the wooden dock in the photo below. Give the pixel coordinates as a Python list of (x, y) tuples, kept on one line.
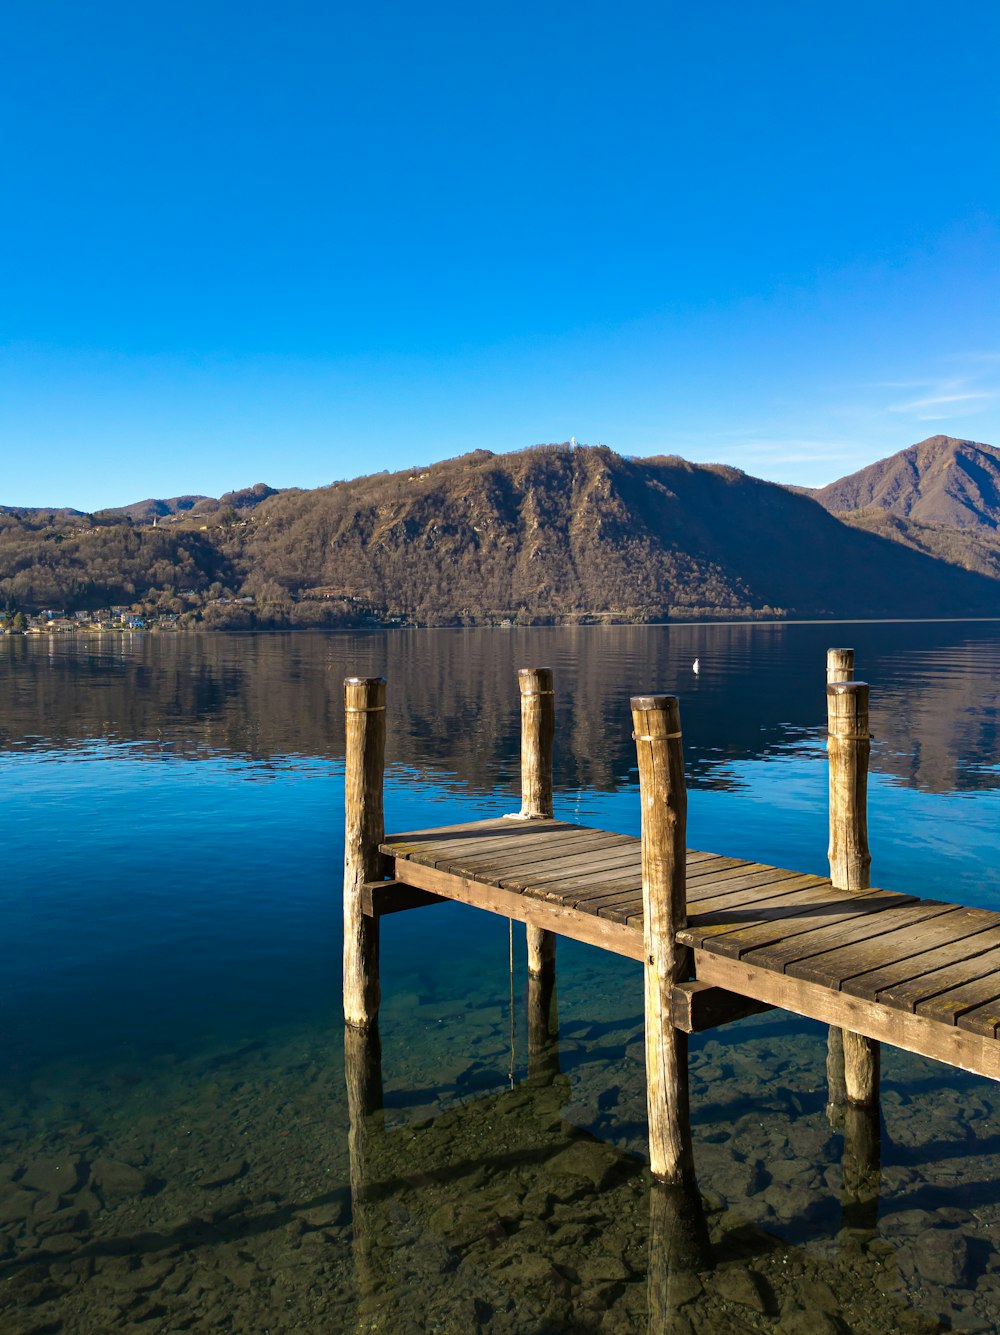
[(719, 937), (919, 974)]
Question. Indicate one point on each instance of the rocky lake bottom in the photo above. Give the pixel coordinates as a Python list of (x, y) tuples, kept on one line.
[(213, 1192)]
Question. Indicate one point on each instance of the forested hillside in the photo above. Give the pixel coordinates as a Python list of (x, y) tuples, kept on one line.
[(547, 534)]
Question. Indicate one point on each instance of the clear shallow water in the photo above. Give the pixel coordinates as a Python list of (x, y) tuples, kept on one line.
[(173, 1128)]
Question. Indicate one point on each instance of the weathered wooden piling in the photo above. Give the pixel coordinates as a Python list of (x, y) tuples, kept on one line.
[(663, 798), (839, 667), (364, 769), (849, 749), (538, 728)]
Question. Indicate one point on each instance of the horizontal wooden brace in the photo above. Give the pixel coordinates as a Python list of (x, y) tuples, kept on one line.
[(696, 1006), (381, 897)]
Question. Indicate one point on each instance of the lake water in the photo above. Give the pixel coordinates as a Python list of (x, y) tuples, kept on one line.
[(174, 1134)]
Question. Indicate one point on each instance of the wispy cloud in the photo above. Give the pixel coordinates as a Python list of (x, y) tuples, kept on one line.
[(952, 394), (937, 406)]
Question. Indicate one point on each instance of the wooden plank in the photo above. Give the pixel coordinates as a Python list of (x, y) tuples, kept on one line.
[(759, 885), (472, 828), (929, 983), (548, 857), (381, 897), (697, 1006), (543, 913), (582, 886), (784, 917), (947, 1043), (752, 894), (982, 1020), (717, 866), (727, 869), (706, 888), (948, 1004), (816, 955), (741, 903), (626, 911), (524, 839), (499, 834), (931, 946), (562, 866), (585, 893)]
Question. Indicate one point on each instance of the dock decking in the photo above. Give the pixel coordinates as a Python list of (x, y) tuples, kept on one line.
[(920, 974)]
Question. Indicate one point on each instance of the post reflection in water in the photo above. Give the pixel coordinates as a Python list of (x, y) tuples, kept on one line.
[(862, 1172), (543, 1026), (679, 1249), (366, 1129)]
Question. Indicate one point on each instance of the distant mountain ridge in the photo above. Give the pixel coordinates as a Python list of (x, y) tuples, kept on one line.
[(941, 480), (940, 496), (153, 509), (145, 512), (548, 534)]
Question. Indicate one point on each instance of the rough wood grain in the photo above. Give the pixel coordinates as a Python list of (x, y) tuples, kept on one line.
[(943, 1042), (538, 730), (699, 1006), (380, 898), (839, 665), (849, 749), (364, 767), (966, 934), (663, 799), (809, 954)]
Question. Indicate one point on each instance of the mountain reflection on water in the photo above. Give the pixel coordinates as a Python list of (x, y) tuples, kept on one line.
[(453, 708), (183, 1145)]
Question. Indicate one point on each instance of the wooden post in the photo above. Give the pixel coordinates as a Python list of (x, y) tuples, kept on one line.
[(538, 727), (839, 667), (849, 747), (663, 795), (364, 830)]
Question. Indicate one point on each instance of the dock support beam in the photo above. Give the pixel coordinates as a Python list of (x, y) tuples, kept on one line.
[(538, 728), (663, 795), (849, 748), (364, 830)]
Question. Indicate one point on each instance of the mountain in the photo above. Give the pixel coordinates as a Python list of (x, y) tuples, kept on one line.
[(554, 533), (548, 534), (941, 480), (146, 512), (941, 497)]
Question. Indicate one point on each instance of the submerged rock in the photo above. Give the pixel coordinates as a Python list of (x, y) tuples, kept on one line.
[(117, 1181), (942, 1256), (56, 1176)]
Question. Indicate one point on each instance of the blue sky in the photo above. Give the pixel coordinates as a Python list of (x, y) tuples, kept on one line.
[(296, 242)]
